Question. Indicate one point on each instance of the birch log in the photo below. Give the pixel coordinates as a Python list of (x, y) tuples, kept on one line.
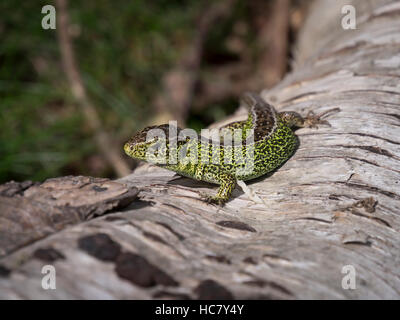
[(332, 209)]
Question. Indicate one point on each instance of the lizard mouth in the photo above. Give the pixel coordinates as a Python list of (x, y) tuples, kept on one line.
[(128, 148)]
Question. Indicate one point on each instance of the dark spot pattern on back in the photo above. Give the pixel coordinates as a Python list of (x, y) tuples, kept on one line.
[(262, 115)]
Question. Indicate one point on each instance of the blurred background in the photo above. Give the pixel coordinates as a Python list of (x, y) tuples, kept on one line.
[(70, 97)]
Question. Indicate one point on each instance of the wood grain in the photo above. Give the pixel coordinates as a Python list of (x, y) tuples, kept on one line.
[(170, 244)]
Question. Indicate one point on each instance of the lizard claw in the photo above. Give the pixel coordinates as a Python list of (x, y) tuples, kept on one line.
[(312, 120), (213, 200)]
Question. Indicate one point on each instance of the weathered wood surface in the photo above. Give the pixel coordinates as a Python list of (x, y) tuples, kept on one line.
[(31, 211), (169, 244)]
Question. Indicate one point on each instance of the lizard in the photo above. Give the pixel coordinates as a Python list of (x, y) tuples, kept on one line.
[(267, 140)]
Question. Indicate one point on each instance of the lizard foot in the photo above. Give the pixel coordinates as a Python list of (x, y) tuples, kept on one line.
[(312, 120), (213, 200)]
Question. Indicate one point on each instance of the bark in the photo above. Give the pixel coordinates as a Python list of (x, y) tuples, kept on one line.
[(335, 203)]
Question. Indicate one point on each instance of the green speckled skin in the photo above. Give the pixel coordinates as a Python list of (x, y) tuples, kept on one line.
[(270, 144)]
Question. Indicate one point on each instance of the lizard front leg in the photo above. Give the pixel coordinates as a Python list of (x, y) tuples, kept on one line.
[(227, 184)]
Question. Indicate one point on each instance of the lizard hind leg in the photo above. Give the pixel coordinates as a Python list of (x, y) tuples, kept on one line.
[(227, 184)]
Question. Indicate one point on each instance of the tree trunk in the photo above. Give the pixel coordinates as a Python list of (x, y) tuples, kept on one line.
[(330, 213)]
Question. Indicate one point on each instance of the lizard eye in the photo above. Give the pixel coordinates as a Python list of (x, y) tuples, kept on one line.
[(131, 148)]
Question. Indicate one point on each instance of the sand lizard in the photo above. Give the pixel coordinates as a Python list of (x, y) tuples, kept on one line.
[(272, 143)]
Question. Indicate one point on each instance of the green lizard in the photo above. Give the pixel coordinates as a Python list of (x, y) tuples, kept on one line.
[(261, 144)]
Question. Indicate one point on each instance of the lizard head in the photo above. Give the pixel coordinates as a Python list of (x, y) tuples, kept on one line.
[(141, 143)]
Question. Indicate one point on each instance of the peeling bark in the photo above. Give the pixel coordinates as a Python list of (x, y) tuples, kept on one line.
[(31, 211)]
